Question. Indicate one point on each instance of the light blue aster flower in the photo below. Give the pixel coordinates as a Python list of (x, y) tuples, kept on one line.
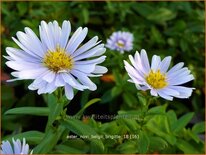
[(120, 41), (157, 78), (55, 60), (16, 148)]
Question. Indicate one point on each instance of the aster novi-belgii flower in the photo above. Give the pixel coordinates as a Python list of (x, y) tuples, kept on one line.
[(120, 41), (54, 60), (16, 148), (157, 78)]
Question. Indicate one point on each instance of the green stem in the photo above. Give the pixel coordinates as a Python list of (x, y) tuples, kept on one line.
[(52, 133), (56, 109), (145, 109)]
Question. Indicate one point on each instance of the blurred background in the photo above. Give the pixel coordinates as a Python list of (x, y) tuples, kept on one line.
[(161, 28)]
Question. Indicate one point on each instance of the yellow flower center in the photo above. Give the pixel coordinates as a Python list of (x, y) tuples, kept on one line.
[(156, 79), (58, 60), (120, 44)]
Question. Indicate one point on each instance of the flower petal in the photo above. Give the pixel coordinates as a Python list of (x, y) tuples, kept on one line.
[(175, 68), (93, 61), (19, 55), (165, 96), (85, 68), (84, 80), (68, 78), (59, 81), (49, 76), (69, 92), (184, 92), (164, 65), (91, 43), (46, 36), (153, 92), (22, 65), (77, 41), (6, 148), (32, 73), (100, 69), (76, 34), (155, 62), (65, 32), (17, 146), (145, 61), (91, 52), (181, 80)]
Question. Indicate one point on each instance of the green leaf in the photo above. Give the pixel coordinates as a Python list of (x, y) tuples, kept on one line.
[(183, 45), (32, 137), (77, 144), (171, 42), (116, 91), (95, 100), (157, 110), (22, 7), (157, 144), (186, 147), (78, 127), (199, 127), (143, 142), (161, 15), (128, 147), (117, 77), (38, 111), (160, 126), (180, 25), (107, 96), (156, 36), (85, 14), (182, 122), (67, 149), (142, 99), (144, 9), (129, 119), (193, 135), (84, 97), (171, 115), (131, 124), (96, 146), (81, 129), (129, 99), (49, 140), (111, 128)]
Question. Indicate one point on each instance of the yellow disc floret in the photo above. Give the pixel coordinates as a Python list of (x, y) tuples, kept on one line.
[(58, 60), (120, 44), (156, 79)]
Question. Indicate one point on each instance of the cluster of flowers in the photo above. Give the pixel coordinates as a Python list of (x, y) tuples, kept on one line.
[(55, 60)]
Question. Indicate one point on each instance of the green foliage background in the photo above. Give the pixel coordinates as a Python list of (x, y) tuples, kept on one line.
[(162, 28)]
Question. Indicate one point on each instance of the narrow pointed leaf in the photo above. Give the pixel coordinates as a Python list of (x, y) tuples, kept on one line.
[(37, 111)]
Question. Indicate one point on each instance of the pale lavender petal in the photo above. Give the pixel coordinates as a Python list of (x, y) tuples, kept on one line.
[(165, 96), (184, 92), (155, 62), (65, 32), (91, 43), (164, 65), (175, 68), (69, 92)]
